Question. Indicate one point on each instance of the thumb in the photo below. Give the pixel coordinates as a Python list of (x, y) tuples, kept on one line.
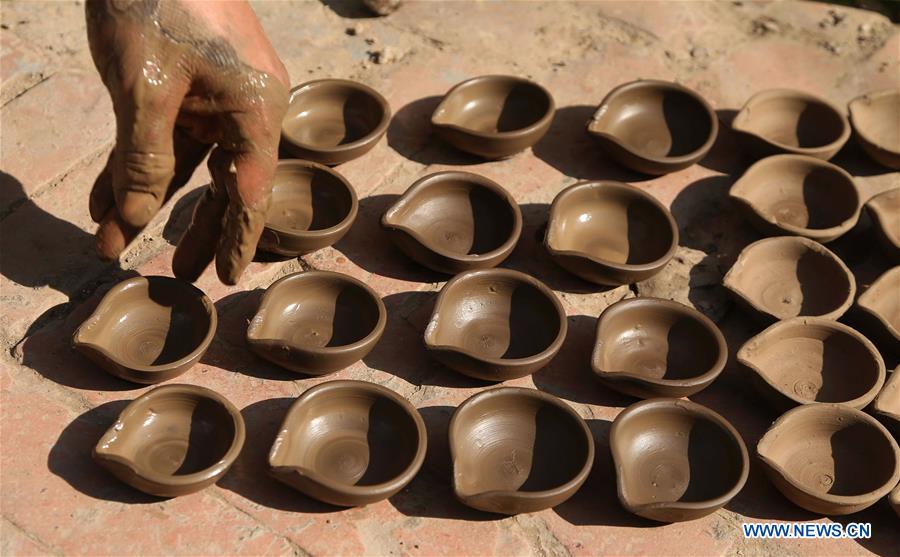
[(144, 160)]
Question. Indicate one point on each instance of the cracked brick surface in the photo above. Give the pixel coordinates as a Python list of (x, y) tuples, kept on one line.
[(57, 127)]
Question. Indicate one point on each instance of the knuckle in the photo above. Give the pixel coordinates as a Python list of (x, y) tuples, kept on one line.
[(146, 168)]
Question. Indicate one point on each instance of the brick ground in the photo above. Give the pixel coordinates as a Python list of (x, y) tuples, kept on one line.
[(57, 128)]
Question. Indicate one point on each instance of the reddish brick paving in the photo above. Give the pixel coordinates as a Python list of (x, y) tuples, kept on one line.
[(57, 127)]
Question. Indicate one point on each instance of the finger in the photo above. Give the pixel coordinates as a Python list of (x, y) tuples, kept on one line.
[(198, 245), (145, 154), (113, 235), (101, 198), (249, 182)]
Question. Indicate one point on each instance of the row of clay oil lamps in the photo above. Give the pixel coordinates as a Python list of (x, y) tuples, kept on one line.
[(520, 450)]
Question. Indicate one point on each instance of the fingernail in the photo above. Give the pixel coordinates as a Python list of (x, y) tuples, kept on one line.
[(137, 208)]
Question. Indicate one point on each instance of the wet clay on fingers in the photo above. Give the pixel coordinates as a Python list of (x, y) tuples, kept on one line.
[(797, 194), (787, 121), (455, 221), (886, 406), (654, 127), (807, 359), (312, 207), (676, 460), (349, 443), (495, 325), (647, 347), (148, 329), (173, 440), (790, 276), (830, 459), (332, 121), (885, 211), (317, 322), (517, 450), (875, 118), (183, 78), (494, 116), (610, 233)]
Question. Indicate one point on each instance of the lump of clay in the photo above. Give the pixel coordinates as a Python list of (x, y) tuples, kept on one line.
[(382, 7)]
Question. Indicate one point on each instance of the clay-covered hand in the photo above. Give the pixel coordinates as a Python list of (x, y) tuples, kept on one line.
[(185, 75)]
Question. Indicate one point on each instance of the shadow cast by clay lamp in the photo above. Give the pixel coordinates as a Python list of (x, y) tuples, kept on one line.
[(597, 503), (569, 375), (249, 476), (402, 352), (430, 494), (70, 457), (410, 134), (568, 148), (350, 9), (369, 247)]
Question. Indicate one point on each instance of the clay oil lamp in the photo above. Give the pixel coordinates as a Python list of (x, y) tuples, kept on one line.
[(676, 460), (494, 116), (787, 121), (800, 195), (647, 347), (173, 440), (312, 207), (811, 359), (886, 406), (332, 121), (349, 443), (790, 276), (877, 312), (517, 450), (610, 233), (317, 322), (654, 127), (874, 117), (452, 222), (830, 459), (495, 325), (148, 329), (885, 212)]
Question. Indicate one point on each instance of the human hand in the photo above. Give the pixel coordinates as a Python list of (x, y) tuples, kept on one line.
[(185, 75)]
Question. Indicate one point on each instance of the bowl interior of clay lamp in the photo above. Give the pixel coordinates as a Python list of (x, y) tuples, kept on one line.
[(816, 360), (613, 224), (459, 216), (656, 120), (518, 450), (797, 194), (175, 439), (334, 116), (676, 459), (494, 105), (321, 313), (885, 209), (831, 458), (667, 348), (349, 443), (794, 121), (882, 301), (497, 316), (791, 276), (149, 325), (312, 207), (874, 117)]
